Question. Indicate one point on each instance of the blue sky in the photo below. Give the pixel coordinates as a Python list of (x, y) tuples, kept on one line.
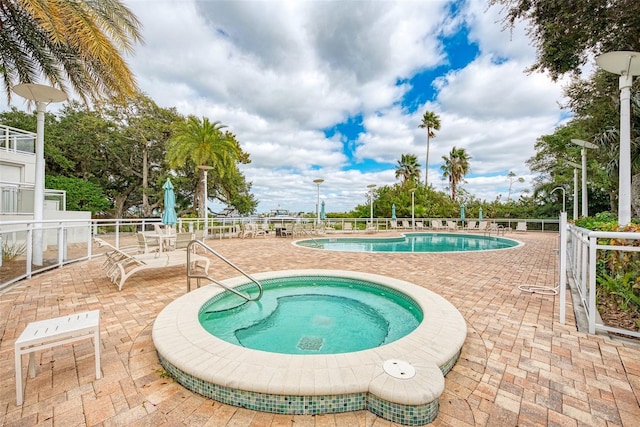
[(337, 89)]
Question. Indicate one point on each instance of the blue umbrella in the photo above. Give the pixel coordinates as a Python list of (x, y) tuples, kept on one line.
[(322, 211), (480, 214), (393, 212), (169, 216), (462, 212)]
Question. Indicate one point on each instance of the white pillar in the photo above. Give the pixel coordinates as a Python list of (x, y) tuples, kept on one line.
[(624, 194), (38, 191), (575, 193), (585, 203)]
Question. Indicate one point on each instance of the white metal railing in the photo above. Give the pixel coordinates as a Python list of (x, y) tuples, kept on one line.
[(66, 241), (17, 140), (583, 248)]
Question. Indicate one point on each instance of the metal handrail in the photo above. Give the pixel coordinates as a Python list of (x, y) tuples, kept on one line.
[(305, 231), (211, 279)]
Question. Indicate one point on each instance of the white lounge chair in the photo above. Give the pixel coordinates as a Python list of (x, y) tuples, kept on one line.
[(120, 266), (419, 225), (436, 224), (452, 225), (405, 224), (472, 226), (522, 226)]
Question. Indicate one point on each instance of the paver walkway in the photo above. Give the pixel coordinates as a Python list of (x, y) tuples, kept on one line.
[(519, 365)]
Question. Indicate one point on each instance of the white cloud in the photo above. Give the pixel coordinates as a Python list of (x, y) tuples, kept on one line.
[(278, 73)]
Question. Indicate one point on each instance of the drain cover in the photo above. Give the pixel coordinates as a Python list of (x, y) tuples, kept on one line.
[(399, 368), (310, 343)]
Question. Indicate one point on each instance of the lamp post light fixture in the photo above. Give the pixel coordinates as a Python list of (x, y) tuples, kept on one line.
[(43, 96), (205, 196), (626, 64), (318, 182), (371, 187), (576, 167), (583, 153)]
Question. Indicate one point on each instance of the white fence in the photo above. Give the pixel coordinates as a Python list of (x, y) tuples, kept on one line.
[(582, 249)]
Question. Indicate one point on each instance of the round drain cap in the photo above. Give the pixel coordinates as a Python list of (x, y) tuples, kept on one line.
[(399, 368)]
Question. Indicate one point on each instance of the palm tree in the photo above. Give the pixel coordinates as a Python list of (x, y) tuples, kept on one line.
[(455, 167), (408, 169), (431, 122), (203, 143), (75, 45)]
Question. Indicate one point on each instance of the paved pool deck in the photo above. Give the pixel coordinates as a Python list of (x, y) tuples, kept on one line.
[(519, 365)]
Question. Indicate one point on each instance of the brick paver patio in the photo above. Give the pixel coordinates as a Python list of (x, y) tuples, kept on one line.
[(519, 366)]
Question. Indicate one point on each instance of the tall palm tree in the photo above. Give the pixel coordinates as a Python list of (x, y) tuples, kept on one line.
[(431, 122), (408, 169), (455, 167), (74, 45), (203, 143)]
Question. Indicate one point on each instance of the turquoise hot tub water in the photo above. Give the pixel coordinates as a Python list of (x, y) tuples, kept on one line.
[(412, 242), (312, 315)]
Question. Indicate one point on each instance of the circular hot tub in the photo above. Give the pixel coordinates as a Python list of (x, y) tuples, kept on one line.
[(375, 378)]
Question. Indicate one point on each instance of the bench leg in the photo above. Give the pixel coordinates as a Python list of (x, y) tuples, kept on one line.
[(96, 345), (19, 389)]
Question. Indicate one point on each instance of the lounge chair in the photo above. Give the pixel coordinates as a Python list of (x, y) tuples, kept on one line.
[(419, 225), (347, 227), (436, 224), (522, 226), (393, 224), (405, 225), (121, 266), (371, 228), (452, 225), (483, 225), (472, 226)]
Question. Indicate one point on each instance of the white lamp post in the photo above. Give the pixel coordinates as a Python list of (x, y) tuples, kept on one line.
[(318, 182), (626, 64), (43, 96), (575, 188), (205, 169), (583, 152), (371, 187)]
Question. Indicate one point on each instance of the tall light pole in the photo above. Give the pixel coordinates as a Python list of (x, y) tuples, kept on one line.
[(626, 64), (318, 182), (371, 187), (43, 96), (413, 209), (583, 153), (575, 188), (205, 196)]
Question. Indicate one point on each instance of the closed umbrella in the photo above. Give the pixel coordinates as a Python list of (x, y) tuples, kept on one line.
[(393, 212), (462, 213), (480, 214), (322, 211), (169, 216)]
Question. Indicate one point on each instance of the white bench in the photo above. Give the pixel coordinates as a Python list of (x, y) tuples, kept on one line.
[(50, 333)]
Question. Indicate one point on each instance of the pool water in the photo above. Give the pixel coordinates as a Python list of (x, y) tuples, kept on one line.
[(312, 315), (413, 242)]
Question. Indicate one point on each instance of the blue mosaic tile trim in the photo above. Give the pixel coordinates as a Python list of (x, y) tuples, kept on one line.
[(449, 365), (410, 415)]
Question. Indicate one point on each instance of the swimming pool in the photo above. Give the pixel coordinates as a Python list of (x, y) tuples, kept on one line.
[(412, 242), (400, 381), (312, 315)]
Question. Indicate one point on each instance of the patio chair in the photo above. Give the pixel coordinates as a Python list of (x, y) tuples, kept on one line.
[(452, 225), (472, 226), (405, 224), (393, 224), (436, 224), (371, 228), (522, 226), (182, 240), (147, 243), (419, 225), (347, 227)]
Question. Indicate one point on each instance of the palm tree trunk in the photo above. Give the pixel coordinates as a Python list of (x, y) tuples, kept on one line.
[(426, 166)]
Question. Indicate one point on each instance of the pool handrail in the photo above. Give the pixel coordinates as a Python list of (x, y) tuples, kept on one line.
[(198, 277)]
